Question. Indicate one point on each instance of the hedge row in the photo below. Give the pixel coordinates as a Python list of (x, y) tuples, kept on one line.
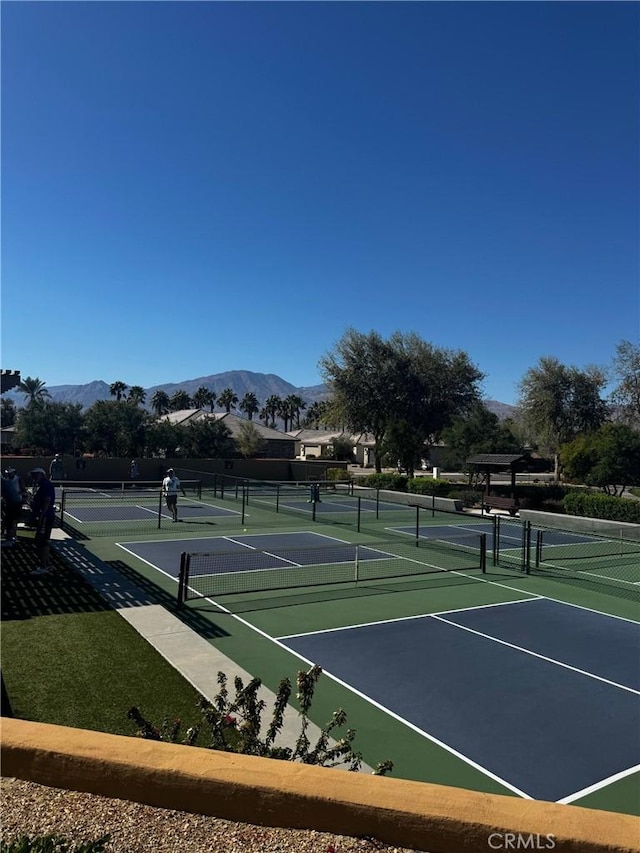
[(598, 505)]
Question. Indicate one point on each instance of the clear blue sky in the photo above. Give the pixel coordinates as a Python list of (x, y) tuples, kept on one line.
[(190, 188)]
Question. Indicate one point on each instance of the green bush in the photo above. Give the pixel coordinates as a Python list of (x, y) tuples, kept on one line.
[(337, 474), (429, 486), (598, 505), (392, 482)]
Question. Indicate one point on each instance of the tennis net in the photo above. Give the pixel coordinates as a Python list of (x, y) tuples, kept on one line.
[(222, 573)]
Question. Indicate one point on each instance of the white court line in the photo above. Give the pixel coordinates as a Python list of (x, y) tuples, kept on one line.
[(411, 726), (585, 572), (599, 785), (408, 618), (542, 657)]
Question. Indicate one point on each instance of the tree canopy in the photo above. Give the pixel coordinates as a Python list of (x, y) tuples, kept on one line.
[(403, 391)]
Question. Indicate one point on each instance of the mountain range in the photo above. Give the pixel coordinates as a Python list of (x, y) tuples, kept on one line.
[(263, 385)]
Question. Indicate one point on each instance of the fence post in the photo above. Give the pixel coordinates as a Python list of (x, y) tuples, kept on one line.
[(483, 553), (160, 510)]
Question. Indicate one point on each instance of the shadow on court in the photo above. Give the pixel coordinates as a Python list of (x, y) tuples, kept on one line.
[(157, 595)]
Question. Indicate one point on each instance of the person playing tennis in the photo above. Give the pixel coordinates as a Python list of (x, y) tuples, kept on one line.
[(170, 488)]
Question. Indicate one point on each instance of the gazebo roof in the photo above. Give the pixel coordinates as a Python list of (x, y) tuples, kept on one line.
[(498, 459)]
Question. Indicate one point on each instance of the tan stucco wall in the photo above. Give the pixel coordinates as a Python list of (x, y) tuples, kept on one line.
[(278, 793)]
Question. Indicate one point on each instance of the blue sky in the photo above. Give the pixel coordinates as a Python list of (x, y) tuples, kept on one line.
[(190, 188)]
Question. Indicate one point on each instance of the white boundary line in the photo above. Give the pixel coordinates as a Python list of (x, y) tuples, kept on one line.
[(538, 655), (406, 618), (597, 786)]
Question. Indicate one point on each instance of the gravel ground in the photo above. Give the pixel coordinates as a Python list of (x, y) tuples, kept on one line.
[(30, 809)]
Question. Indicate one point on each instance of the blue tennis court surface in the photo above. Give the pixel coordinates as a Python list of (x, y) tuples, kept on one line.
[(144, 510), (540, 695), (275, 550)]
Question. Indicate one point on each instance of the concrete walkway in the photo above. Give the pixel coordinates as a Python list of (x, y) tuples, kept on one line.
[(192, 655)]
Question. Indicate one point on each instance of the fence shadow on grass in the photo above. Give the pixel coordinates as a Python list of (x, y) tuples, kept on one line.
[(26, 597)]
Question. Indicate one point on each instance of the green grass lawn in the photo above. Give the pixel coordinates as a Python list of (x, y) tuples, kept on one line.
[(67, 658)]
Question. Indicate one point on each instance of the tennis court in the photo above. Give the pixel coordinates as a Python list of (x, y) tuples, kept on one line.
[(477, 670)]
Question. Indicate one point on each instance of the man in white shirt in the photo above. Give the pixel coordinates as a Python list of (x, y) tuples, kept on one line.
[(170, 488)]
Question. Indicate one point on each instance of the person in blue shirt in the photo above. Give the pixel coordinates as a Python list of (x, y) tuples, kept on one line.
[(43, 508)]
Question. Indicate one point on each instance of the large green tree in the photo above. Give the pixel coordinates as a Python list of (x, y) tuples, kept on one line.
[(403, 391), (557, 403), (49, 427), (164, 438), (479, 431), (626, 373), (249, 442), (116, 429), (207, 439), (608, 458)]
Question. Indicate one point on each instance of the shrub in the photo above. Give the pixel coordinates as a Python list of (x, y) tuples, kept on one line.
[(338, 474), (598, 505), (388, 480), (429, 486), (235, 725)]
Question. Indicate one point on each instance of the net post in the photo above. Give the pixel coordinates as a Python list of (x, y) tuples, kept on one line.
[(498, 537), (495, 533), (243, 504), (313, 510), (277, 497), (358, 518), (160, 510), (199, 489), (526, 546), (222, 488), (539, 540), (181, 579), (357, 565), (378, 502), (417, 525), (483, 553)]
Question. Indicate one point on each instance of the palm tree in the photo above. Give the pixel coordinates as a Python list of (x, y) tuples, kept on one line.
[(227, 398), (203, 398), (316, 414), (295, 405), (179, 400), (249, 405), (137, 394), (272, 406), (160, 403), (118, 389), (264, 415), (34, 390), (284, 412)]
